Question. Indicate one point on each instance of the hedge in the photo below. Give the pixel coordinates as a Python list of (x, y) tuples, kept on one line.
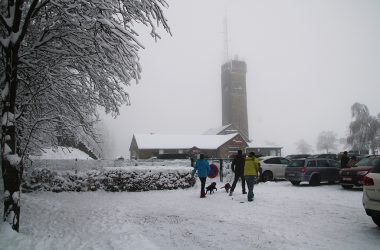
[(130, 179)]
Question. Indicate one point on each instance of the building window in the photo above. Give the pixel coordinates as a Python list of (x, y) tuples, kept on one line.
[(180, 151), (161, 151)]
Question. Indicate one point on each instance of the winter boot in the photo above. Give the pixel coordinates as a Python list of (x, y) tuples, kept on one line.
[(203, 194)]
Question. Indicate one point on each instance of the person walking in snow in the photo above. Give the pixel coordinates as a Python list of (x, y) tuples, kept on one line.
[(251, 171), (203, 169), (237, 167)]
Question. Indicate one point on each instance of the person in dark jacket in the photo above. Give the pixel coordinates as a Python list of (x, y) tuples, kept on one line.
[(237, 167), (203, 169), (344, 160)]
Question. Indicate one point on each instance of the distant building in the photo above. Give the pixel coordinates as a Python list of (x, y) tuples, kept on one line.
[(259, 150), (234, 96), (144, 146), (264, 150)]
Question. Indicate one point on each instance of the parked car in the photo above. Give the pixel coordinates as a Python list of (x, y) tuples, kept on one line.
[(371, 194), (312, 170), (350, 177), (297, 156), (273, 167), (326, 156)]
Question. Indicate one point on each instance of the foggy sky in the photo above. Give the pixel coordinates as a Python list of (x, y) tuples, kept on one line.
[(307, 63)]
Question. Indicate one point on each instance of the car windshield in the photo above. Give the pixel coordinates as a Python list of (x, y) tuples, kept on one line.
[(297, 163), (369, 161)]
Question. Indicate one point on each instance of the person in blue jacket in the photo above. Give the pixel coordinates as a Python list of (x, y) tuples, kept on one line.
[(203, 169)]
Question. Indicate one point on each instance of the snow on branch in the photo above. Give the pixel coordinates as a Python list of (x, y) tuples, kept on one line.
[(7, 119)]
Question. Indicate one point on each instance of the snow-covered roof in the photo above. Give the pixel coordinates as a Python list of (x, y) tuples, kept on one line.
[(162, 141), (215, 131)]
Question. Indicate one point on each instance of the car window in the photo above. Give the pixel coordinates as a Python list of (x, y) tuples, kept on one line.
[(273, 161), (323, 164), (268, 161), (312, 164), (375, 161), (297, 163), (364, 162), (335, 164), (284, 161)]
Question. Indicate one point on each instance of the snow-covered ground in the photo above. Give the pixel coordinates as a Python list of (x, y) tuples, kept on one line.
[(61, 153), (282, 216)]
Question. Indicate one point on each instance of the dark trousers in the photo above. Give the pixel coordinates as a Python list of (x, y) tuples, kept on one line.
[(203, 184), (237, 176)]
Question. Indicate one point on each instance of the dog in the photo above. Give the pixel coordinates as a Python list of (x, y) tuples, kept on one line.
[(227, 187), (210, 188)]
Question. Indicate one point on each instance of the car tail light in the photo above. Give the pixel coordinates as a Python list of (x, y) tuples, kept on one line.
[(368, 181), (304, 169)]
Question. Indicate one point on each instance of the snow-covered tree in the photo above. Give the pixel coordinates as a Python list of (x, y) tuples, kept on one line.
[(364, 129), (303, 147), (327, 141), (60, 61)]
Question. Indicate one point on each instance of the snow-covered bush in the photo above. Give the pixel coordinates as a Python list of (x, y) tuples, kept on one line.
[(228, 175), (110, 179)]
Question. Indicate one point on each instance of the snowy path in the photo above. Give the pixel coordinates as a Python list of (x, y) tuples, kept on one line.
[(281, 217)]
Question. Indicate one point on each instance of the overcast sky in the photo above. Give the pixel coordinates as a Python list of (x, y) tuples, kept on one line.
[(307, 63)]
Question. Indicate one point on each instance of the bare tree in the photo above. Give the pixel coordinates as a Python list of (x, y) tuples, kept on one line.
[(303, 147), (364, 129), (327, 141), (60, 61)]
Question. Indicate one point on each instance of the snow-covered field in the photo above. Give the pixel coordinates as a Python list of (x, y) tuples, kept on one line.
[(282, 216)]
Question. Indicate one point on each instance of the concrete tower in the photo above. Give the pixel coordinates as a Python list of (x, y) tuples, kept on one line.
[(234, 96)]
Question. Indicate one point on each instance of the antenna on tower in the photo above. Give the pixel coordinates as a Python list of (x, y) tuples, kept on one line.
[(225, 54)]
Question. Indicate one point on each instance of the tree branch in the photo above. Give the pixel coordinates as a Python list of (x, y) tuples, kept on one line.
[(26, 23)]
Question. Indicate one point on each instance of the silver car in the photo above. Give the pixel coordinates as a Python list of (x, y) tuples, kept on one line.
[(371, 194), (312, 170), (273, 167)]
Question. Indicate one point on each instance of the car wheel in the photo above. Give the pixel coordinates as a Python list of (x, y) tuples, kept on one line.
[(376, 219), (267, 176), (295, 183), (315, 180), (347, 186)]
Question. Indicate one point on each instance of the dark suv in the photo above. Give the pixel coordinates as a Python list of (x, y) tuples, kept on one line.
[(350, 177), (312, 170)]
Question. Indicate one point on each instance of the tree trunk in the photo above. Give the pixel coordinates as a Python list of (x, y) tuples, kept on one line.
[(11, 171)]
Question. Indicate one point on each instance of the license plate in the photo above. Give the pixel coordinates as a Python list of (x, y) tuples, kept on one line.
[(291, 174), (346, 179)]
